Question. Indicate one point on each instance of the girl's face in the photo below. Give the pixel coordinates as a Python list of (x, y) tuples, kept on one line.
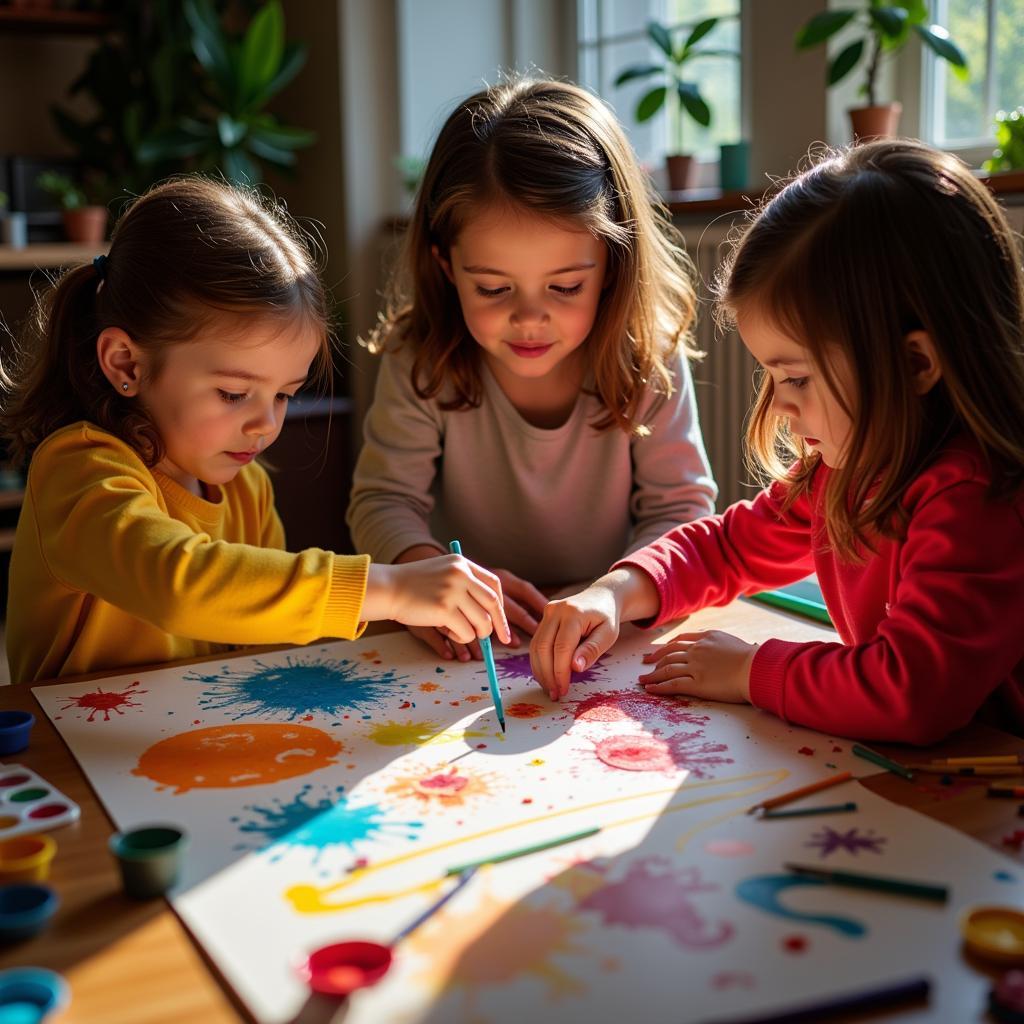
[(529, 288), (220, 399), (800, 394)]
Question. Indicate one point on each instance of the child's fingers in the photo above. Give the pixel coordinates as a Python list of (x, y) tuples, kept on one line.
[(667, 670), (434, 640), (593, 647), (542, 656), (518, 616), (658, 653), (679, 685), (525, 593), (485, 589), (563, 651)]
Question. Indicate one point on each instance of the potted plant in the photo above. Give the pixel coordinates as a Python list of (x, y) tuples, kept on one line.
[(84, 222), (1009, 152), (884, 29), (682, 94)]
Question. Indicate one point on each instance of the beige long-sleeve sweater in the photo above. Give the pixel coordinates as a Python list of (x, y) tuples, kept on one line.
[(552, 506)]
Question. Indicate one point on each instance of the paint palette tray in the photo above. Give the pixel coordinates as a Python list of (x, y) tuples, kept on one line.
[(28, 803)]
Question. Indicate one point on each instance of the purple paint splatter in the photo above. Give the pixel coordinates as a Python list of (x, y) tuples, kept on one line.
[(828, 841)]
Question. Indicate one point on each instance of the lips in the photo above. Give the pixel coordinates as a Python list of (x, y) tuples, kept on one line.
[(530, 349), (242, 457)]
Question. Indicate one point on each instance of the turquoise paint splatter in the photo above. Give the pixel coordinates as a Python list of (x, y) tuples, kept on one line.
[(763, 891), (331, 821), (302, 686)]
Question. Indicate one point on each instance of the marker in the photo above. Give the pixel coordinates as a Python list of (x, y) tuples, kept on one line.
[(800, 811), (795, 794), (973, 761), (879, 883), (794, 604), (1017, 792), (882, 761), (485, 645), (916, 987), (524, 850), (985, 769)]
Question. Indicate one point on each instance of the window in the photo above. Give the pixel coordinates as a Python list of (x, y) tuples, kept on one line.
[(612, 35), (991, 34)]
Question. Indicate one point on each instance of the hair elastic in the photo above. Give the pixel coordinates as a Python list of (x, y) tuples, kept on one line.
[(100, 263)]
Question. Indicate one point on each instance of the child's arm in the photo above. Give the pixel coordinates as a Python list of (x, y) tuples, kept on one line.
[(672, 481)]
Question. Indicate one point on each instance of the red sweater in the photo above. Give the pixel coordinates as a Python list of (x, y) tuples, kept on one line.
[(932, 625)]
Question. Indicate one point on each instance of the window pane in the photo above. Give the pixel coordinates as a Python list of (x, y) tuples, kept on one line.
[(1009, 70), (622, 17), (692, 11), (966, 113)]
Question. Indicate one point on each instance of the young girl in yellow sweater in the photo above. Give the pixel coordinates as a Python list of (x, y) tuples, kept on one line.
[(154, 379)]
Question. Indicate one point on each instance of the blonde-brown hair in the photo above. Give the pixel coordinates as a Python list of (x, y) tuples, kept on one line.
[(867, 245), (185, 252), (552, 149)]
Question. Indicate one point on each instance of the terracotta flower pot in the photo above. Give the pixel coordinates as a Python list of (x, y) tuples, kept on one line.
[(682, 172), (875, 122), (86, 225)]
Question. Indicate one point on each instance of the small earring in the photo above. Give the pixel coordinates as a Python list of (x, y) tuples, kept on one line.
[(124, 386)]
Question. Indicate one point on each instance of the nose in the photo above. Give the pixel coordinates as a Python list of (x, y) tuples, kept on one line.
[(528, 311), (264, 421), (782, 406)]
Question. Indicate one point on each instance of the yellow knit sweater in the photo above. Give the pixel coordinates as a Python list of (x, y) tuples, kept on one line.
[(115, 565)]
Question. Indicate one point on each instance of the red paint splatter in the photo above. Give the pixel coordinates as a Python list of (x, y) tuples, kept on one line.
[(404, 705), (377, 661), (195, 721), (638, 705), (105, 701), (806, 751), (524, 710), (836, 750), (527, 799), (653, 894), (454, 703), (450, 783), (794, 944), (481, 746), (307, 718)]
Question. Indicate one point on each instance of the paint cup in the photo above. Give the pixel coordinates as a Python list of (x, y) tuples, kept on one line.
[(734, 166), (25, 909), (26, 859), (31, 994), (150, 859), (15, 727)]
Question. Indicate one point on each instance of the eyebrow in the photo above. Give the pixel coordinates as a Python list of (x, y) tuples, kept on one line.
[(586, 265), (255, 378), (772, 363)]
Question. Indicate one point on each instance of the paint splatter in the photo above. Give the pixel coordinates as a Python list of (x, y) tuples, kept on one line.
[(948, 791), (828, 841), (729, 848), (225, 756), (304, 684), (331, 821), (690, 751), (1004, 876), (642, 752), (653, 894), (429, 687), (795, 944), (524, 710), (416, 734), (369, 655), (724, 980), (763, 892), (806, 751), (105, 701), (517, 667), (440, 789), (636, 705)]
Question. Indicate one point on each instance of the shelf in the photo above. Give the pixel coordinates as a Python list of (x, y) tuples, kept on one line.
[(11, 499), (39, 21), (47, 257)]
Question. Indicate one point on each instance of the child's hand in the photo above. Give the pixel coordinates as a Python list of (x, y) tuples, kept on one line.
[(524, 604), (448, 592), (710, 665)]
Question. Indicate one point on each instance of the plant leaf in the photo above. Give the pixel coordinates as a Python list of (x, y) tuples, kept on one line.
[(650, 104), (262, 50), (845, 61), (291, 64), (823, 26), (283, 157), (892, 21), (637, 71), (917, 10), (693, 102), (937, 39), (700, 30), (209, 44), (238, 167), (659, 34), (229, 131), (280, 136)]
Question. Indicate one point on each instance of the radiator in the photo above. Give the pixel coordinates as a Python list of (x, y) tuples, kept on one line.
[(724, 378)]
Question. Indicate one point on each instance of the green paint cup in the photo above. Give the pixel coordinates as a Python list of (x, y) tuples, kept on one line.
[(150, 859), (734, 166)]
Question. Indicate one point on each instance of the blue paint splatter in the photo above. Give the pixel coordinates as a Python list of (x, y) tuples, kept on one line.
[(302, 686), (763, 891), (331, 821), (1004, 876)]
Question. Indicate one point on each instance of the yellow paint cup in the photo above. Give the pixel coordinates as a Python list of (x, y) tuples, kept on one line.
[(26, 859)]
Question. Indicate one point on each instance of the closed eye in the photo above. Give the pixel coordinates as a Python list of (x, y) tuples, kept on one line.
[(490, 293), (230, 396), (796, 382), (574, 289)]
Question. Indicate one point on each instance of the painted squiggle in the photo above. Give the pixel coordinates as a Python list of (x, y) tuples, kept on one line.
[(763, 892)]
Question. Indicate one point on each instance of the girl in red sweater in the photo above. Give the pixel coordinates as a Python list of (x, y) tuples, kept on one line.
[(881, 291)]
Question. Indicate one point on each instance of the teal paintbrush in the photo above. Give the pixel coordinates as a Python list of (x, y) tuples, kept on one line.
[(485, 645)]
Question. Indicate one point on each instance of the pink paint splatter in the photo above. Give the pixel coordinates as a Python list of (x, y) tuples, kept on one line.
[(733, 979), (630, 753), (697, 755), (806, 751), (105, 701), (636, 705), (729, 848), (654, 895)]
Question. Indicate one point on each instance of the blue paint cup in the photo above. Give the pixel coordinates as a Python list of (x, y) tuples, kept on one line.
[(25, 910), (15, 727), (30, 994), (150, 859)]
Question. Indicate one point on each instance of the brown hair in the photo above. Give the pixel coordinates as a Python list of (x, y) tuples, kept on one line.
[(551, 149), (185, 252), (867, 245)]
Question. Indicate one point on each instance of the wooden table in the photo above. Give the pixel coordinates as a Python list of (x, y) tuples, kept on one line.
[(132, 963)]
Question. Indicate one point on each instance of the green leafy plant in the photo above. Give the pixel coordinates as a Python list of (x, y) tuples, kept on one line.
[(1009, 152), (68, 195), (410, 169), (885, 29), (681, 92), (230, 130)]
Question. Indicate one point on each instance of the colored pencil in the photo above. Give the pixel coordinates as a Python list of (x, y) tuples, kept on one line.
[(795, 794), (985, 769), (801, 811), (1017, 792), (885, 994), (882, 761), (794, 604), (975, 761), (880, 883), (485, 646), (524, 850), (434, 907)]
